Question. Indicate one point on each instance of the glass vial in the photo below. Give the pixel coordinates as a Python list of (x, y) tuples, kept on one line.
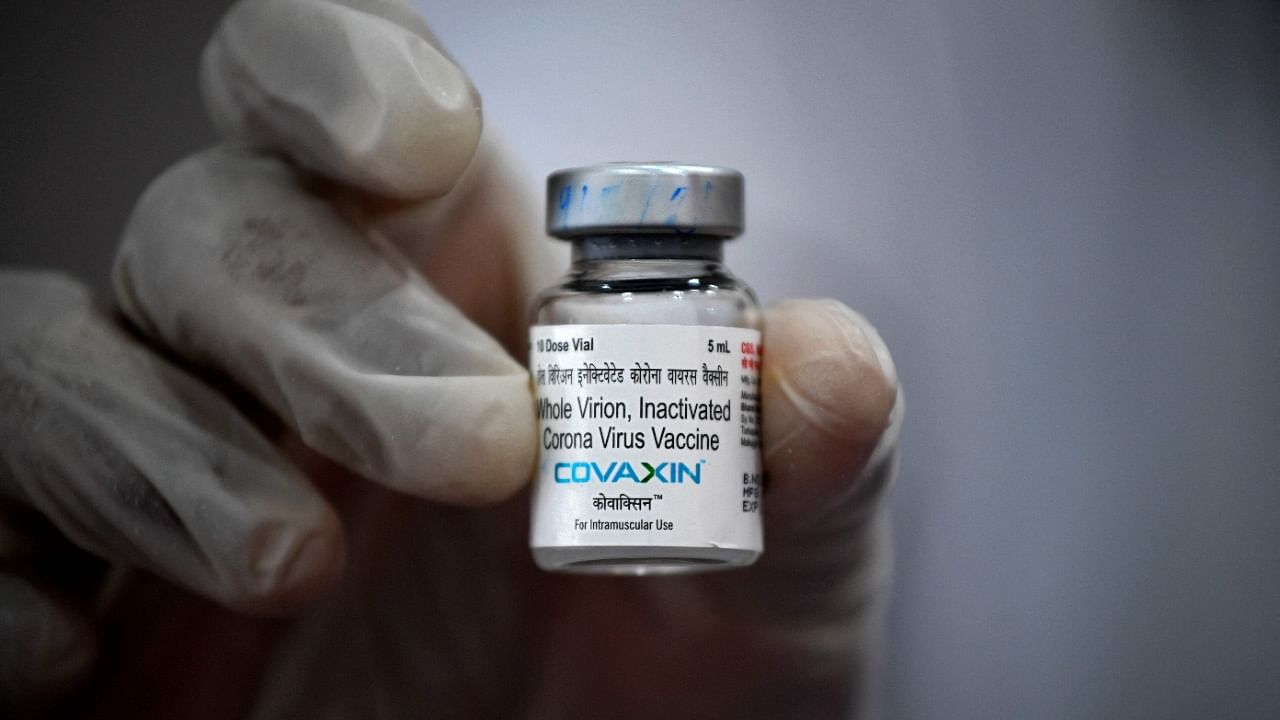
[(645, 361)]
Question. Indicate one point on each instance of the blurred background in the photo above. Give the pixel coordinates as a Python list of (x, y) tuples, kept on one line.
[(1064, 218)]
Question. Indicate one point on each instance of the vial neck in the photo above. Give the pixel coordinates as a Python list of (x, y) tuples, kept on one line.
[(605, 248)]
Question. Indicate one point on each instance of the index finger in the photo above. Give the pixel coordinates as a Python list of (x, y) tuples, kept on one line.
[(358, 91)]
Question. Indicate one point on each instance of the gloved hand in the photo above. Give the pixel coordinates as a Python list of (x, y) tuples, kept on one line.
[(312, 389)]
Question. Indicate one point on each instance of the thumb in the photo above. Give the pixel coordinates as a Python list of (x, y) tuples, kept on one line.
[(833, 410)]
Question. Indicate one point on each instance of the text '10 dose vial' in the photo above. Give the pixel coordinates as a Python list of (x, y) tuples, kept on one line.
[(646, 363)]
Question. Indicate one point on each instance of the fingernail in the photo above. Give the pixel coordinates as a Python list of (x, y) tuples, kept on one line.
[(870, 336)]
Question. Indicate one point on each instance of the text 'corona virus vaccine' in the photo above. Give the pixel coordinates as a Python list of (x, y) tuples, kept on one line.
[(646, 363)]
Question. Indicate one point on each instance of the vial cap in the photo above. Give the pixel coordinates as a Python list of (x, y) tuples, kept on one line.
[(645, 198)]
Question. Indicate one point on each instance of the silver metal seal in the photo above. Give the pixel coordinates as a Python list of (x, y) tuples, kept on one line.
[(665, 198)]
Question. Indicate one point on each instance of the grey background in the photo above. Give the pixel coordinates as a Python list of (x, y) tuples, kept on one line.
[(1064, 217)]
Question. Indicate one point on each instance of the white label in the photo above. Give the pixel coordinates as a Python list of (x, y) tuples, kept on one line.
[(648, 435)]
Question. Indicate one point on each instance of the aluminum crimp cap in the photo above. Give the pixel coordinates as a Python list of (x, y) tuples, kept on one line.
[(645, 198)]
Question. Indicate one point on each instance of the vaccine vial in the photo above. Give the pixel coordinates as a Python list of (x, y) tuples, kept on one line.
[(645, 360)]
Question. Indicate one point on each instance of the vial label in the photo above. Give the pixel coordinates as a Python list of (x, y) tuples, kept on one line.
[(648, 435)]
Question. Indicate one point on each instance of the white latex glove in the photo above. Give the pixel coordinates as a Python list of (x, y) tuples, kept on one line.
[(307, 380)]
